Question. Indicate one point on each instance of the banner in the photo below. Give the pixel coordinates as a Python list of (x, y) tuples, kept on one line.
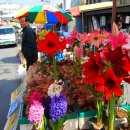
[(17, 92), (12, 121)]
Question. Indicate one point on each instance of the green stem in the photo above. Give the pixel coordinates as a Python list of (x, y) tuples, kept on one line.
[(55, 68), (111, 113), (99, 114)]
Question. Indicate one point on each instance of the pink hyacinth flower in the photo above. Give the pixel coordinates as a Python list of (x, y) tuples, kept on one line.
[(36, 112)]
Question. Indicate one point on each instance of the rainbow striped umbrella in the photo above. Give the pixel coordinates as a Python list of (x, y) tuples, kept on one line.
[(45, 14)]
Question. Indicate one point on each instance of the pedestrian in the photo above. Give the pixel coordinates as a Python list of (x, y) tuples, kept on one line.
[(29, 45), (119, 25)]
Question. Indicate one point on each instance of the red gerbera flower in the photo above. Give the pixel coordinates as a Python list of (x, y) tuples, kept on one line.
[(110, 84), (52, 43), (92, 68)]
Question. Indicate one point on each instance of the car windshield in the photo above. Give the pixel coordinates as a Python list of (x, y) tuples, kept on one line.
[(6, 31)]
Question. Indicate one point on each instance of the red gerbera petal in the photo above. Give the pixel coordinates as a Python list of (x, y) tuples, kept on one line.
[(100, 84), (127, 79), (112, 84), (109, 83), (119, 63), (40, 45), (91, 68)]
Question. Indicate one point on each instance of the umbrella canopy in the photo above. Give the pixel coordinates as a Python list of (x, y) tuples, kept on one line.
[(46, 14)]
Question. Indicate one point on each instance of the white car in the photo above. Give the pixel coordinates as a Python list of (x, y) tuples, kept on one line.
[(7, 35)]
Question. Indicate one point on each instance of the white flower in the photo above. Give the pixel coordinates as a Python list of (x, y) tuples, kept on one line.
[(55, 88)]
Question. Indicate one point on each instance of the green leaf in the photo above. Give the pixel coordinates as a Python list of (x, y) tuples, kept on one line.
[(59, 124), (128, 117)]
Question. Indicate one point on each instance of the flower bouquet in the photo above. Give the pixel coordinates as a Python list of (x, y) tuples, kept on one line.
[(53, 103), (47, 91), (106, 68)]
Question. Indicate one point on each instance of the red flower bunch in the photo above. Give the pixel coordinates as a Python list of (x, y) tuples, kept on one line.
[(35, 96), (52, 43), (107, 68)]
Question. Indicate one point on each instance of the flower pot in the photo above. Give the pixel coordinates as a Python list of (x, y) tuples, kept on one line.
[(124, 126), (93, 124)]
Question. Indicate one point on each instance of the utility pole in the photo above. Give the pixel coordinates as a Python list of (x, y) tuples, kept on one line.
[(114, 12)]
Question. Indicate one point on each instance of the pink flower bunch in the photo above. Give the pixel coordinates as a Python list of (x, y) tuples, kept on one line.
[(95, 38), (36, 112), (78, 51), (74, 36), (117, 41), (84, 38), (36, 96), (70, 41)]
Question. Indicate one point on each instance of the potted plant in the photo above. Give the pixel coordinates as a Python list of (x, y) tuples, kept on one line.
[(126, 125)]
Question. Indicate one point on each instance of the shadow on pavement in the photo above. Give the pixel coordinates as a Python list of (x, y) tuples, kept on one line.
[(12, 59), (7, 46), (6, 88)]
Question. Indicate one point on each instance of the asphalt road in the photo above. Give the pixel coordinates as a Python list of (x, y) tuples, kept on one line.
[(8, 80)]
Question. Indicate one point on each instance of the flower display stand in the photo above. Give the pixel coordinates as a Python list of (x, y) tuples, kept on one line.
[(71, 124), (23, 122), (84, 116)]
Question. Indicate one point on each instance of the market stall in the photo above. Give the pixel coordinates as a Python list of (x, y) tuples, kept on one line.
[(81, 84), (76, 90)]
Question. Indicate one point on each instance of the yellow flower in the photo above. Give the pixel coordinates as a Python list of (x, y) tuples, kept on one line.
[(43, 33)]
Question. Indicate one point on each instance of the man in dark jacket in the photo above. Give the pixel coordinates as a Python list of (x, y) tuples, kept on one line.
[(29, 45)]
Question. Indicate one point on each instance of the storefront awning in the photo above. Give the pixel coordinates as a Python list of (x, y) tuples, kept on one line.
[(97, 6)]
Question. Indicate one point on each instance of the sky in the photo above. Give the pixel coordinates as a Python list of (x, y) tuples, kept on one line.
[(28, 2)]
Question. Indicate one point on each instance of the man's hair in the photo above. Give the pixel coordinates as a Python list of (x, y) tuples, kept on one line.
[(26, 19)]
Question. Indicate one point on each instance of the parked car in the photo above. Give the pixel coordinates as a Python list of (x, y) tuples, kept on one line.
[(7, 35)]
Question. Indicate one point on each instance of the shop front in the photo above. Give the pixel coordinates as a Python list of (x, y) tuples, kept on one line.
[(98, 16), (101, 19)]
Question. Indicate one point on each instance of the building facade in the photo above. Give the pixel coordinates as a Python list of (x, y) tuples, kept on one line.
[(85, 2), (97, 14), (7, 8)]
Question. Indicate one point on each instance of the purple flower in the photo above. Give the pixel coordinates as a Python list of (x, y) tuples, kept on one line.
[(58, 107)]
